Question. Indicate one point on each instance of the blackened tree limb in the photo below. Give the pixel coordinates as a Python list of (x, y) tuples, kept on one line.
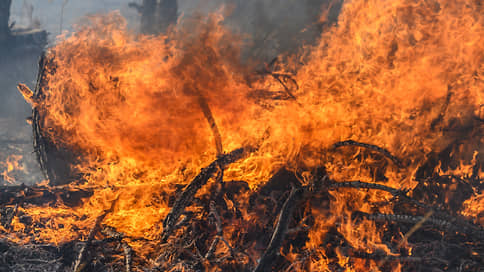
[(191, 189), (279, 232), (376, 148)]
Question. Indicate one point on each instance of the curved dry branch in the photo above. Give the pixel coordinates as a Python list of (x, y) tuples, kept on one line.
[(376, 148), (186, 197)]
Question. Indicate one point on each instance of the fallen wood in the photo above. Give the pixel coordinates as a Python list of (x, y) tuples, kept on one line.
[(201, 179), (376, 148), (285, 216), (79, 264), (41, 195)]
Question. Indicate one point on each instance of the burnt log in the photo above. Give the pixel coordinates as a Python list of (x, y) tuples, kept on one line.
[(41, 195), (55, 160)]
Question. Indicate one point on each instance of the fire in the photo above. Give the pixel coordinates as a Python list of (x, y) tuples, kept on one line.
[(406, 76), (11, 166)]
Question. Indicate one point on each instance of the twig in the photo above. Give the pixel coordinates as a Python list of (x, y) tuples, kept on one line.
[(7, 222), (377, 256), (128, 252), (119, 236), (280, 231), (407, 235), (280, 77), (378, 149), (219, 235), (403, 218), (189, 192), (79, 262)]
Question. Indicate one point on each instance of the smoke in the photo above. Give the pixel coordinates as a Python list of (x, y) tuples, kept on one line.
[(271, 27)]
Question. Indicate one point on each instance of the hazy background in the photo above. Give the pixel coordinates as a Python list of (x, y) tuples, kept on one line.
[(274, 27)]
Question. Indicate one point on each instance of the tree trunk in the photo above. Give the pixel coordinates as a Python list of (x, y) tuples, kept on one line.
[(167, 14), (4, 17), (157, 16), (148, 16)]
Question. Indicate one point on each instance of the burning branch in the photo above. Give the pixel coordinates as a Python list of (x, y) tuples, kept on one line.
[(280, 77), (376, 148), (403, 218), (280, 231), (442, 224), (219, 236), (211, 121), (189, 192), (39, 195), (79, 263), (366, 185)]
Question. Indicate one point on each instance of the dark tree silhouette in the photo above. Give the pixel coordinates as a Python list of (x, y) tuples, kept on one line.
[(4, 17)]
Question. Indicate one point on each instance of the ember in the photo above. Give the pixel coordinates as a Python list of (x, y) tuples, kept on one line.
[(170, 153)]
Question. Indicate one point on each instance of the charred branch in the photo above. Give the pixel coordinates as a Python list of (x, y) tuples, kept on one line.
[(128, 258), (402, 218), (6, 216), (380, 256), (219, 236), (280, 231), (211, 121), (397, 193), (441, 224), (189, 192), (40, 195), (366, 185), (283, 78), (376, 148), (79, 264)]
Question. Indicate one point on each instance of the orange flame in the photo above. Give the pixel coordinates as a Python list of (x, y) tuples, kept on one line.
[(11, 166), (391, 73)]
